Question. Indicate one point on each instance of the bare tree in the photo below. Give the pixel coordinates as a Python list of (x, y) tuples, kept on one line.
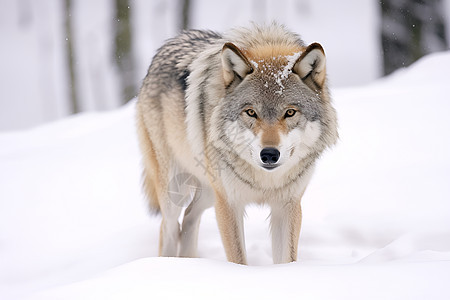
[(123, 50), (185, 14), (411, 29), (70, 57)]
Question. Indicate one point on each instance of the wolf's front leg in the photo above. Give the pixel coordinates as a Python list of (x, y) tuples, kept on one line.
[(230, 220), (285, 227)]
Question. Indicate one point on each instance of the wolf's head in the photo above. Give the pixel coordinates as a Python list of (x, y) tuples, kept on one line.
[(276, 108)]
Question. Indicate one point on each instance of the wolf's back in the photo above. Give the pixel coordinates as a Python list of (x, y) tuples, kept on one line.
[(170, 66)]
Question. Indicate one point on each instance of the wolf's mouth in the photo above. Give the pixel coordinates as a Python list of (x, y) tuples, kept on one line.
[(269, 167)]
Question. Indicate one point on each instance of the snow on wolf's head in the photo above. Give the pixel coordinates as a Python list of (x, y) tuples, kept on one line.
[(276, 104)]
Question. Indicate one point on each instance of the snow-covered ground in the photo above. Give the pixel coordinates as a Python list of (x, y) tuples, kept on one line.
[(74, 225)]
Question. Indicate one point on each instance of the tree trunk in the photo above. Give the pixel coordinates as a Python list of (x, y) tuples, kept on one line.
[(123, 50), (70, 57), (185, 14), (410, 30)]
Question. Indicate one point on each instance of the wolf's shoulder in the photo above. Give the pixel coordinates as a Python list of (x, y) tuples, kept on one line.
[(199, 35), (192, 38)]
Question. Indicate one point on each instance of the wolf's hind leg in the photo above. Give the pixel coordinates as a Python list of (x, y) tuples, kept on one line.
[(202, 200), (170, 228)]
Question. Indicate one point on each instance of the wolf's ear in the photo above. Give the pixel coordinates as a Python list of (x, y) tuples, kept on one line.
[(234, 64), (310, 66)]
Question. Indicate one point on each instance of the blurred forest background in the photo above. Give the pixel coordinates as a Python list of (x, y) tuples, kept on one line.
[(60, 57)]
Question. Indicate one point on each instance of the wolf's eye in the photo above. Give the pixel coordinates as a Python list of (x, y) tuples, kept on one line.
[(251, 113), (290, 113)]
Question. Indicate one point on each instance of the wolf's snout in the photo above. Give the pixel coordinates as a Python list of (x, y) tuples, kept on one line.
[(269, 155)]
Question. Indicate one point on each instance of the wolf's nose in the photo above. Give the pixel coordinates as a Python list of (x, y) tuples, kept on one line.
[(269, 155)]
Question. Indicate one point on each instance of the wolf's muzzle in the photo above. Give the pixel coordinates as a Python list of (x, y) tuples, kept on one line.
[(269, 157)]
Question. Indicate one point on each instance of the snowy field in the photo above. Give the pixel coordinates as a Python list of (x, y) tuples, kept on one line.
[(74, 225)]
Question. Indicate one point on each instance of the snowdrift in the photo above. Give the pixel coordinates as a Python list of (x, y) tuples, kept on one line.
[(74, 224)]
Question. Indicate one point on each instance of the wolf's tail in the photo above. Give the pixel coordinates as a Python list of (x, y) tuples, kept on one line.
[(149, 162)]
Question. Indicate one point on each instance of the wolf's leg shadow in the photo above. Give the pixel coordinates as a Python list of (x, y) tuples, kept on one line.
[(202, 200)]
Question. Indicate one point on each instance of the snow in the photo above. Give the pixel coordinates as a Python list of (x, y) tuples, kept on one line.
[(287, 69), (74, 224), (169, 278), (270, 67)]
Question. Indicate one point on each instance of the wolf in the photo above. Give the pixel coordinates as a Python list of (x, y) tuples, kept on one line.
[(246, 114)]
